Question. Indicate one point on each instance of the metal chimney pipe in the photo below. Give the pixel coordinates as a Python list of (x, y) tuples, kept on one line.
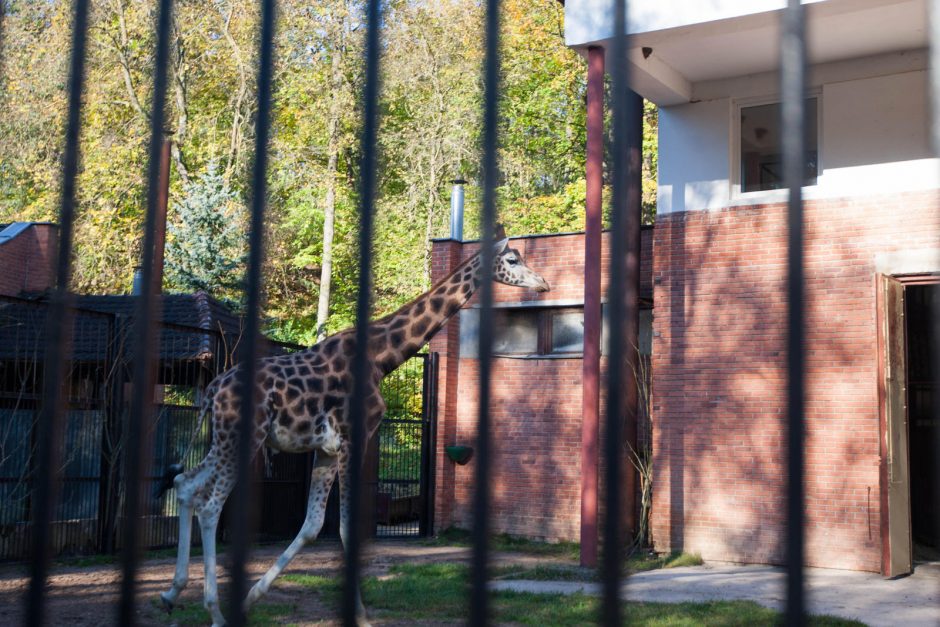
[(137, 287), (456, 210)]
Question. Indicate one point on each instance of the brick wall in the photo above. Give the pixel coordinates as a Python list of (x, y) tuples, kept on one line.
[(26, 260), (536, 405), (719, 368)]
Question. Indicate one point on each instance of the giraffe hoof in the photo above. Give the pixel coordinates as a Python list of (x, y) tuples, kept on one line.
[(167, 604)]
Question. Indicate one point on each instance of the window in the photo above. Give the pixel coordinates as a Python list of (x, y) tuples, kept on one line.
[(515, 331), (567, 331), (540, 331), (761, 148)]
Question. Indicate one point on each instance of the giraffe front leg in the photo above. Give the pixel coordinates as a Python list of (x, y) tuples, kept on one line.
[(324, 472), (208, 523)]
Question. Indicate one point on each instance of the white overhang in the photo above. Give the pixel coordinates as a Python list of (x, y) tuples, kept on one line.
[(676, 44)]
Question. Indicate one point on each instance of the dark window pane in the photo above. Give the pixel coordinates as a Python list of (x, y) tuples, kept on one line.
[(761, 150), (516, 332), (568, 332)]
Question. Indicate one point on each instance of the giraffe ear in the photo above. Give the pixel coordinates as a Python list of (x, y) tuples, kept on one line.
[(501, 245), (500, 232)]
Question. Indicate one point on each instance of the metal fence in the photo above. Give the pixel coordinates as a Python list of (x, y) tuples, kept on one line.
[(56, 423), (91, 487)]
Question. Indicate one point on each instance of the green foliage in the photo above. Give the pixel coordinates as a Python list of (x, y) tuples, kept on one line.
[(431, 112), (206, 247)]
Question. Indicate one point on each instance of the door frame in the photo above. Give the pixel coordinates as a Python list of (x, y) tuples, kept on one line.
[(888, 567)]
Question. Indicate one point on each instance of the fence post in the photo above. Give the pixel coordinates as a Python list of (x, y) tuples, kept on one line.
[(428, 440), (110, 435)]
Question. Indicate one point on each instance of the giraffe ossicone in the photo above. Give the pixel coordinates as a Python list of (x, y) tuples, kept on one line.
[(303, 404)]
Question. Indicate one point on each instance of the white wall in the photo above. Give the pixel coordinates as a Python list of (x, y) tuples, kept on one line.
[(694, 156), (873, 139), (590, 21)]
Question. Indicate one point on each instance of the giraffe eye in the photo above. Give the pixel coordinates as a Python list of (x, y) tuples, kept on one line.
[(512, 261)]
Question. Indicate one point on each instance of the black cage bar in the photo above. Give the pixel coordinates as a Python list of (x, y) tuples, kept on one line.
[(622, 297)]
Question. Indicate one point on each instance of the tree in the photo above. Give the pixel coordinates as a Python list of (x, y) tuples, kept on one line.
[(431, 129), (206, 247)]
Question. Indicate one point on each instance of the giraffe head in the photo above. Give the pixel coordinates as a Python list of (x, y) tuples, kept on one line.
[(509, 267)]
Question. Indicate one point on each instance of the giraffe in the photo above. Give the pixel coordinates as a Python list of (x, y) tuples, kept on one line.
[(303, 406)]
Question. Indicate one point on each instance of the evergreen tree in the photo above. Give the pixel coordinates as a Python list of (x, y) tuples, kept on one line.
[(206, 248)]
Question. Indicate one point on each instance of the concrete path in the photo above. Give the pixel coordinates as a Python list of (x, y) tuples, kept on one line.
[(869, 598)]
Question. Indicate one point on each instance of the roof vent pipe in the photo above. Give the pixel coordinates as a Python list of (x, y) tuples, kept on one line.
[(456, 210), (137, 287)]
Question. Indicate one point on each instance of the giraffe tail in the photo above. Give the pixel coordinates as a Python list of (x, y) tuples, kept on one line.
[(166, 481), (173, 470)]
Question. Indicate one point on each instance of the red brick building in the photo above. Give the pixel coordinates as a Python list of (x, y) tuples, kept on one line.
[(537, 395), (26, 257), (716, 269)]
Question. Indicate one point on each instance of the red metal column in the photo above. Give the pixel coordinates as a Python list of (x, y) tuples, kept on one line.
[(592, 305)]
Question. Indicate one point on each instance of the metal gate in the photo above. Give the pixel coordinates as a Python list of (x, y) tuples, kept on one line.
[(404, 447), (397, 482)]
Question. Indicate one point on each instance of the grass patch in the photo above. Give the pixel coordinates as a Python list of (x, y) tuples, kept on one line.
[(647, 561), (546, 573), (561, 572), (453, 536), (196, 614), (440, 592)]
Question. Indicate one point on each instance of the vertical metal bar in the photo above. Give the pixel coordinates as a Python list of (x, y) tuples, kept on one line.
[(631, 233), (619, 351), (241, 527), (424, 432), (430, 403), (479, 602), (793, 88), (360, 365), (141, 409), (58, 334), (591, 366)]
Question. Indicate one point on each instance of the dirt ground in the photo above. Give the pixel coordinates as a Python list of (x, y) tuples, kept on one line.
[(81, 596)]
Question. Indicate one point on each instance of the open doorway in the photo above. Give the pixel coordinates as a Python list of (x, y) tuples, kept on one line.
[(923, 424), (911, 435)]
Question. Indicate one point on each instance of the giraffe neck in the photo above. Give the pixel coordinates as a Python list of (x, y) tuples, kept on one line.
[(412, 326)]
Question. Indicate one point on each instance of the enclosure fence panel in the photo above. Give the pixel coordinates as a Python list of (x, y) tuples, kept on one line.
[(89, 512), (85, 432)]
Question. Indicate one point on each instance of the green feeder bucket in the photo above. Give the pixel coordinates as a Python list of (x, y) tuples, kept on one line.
[(459, 454)]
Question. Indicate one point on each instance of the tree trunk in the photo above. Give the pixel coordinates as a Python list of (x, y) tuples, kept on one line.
[(429, 226), (329, 211), (182, 113)]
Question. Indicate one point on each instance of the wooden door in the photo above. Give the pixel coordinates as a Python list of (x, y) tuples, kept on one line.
[(896, 437)]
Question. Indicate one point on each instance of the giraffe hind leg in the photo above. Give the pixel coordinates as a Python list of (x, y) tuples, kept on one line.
[(324, 472), (208, 511), (187, 485)]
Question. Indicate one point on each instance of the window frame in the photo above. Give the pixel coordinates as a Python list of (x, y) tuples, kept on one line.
[(544, 331), (735, 162)]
